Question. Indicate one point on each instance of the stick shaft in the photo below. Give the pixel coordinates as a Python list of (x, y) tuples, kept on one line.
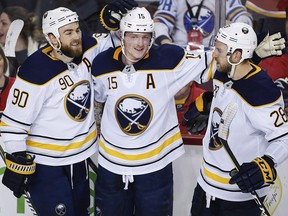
[(223, 131), (92, 165), (237, 165)]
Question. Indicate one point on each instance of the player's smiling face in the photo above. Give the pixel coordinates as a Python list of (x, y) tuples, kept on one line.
[(220, 55), (71, 39), (136, 45)]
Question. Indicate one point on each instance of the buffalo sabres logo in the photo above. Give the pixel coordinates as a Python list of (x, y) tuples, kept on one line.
[(98, 211), (206, 20), (214, 143), (60, 209), (133, 114), (78, 101)]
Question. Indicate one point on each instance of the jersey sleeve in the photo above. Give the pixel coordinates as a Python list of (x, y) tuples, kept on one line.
[(23, 106), (196, 66), (270, 119), (165, 18), (98, 69), (105, 41), (100, 94), (236, 12), (274, 125)]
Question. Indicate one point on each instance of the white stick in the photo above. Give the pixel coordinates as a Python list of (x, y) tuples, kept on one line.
[(11, 38)]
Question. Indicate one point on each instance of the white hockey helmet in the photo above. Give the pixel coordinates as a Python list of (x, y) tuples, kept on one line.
[(54, 19), (137, 20), (238, 36)]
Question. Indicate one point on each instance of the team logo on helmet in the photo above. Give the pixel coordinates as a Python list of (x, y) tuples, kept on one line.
[(133, 113), (245, 30), (78, 101), (60, 209), (214, 143), (205, 22)]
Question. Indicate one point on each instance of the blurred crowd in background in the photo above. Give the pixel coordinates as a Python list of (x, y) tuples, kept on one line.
[(266, 15)]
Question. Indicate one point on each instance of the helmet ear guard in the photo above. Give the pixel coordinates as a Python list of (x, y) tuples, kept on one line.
[(52, 20)]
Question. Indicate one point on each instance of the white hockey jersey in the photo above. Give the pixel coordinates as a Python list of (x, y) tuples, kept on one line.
[(49, 111), (257, 129), (139, 127), (172, 18)]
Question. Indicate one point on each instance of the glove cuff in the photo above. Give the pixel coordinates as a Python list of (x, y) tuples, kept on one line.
[(159, 39), (108, 21), (266, 166), (202, 102), (25, 169)]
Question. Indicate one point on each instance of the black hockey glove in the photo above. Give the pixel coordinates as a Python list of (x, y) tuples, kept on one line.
[(19, 168), (253, 175), (112, 13), (196, 117)]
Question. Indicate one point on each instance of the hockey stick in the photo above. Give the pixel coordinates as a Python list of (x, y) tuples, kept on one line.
[(92, 165), (12, 36), (226, 119), (26, 193)]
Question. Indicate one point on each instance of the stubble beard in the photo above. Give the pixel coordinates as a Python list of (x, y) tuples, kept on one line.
[(226, 68)]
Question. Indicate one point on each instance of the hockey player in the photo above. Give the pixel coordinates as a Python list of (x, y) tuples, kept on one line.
[(191, 24), (48, 126), (257, 135), (140, 137)]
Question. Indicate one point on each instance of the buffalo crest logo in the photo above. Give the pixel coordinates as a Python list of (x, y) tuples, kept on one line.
[(133, 113), (215, 143), (78, 101)]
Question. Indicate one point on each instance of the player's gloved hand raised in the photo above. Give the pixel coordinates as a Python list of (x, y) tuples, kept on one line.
[(196, 118), (270, 45), (112, 13), (19, 168), (253, 175)]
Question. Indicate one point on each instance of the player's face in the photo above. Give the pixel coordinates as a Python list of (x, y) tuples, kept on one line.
[(71, 40), (136, 45), (220, 55), (4, 26)]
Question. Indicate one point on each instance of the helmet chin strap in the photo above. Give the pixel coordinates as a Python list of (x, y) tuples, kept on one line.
[(58, 49), (233, 68), (54, 47)]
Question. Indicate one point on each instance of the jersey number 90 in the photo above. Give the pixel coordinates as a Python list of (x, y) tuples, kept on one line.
[(20, 98)]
